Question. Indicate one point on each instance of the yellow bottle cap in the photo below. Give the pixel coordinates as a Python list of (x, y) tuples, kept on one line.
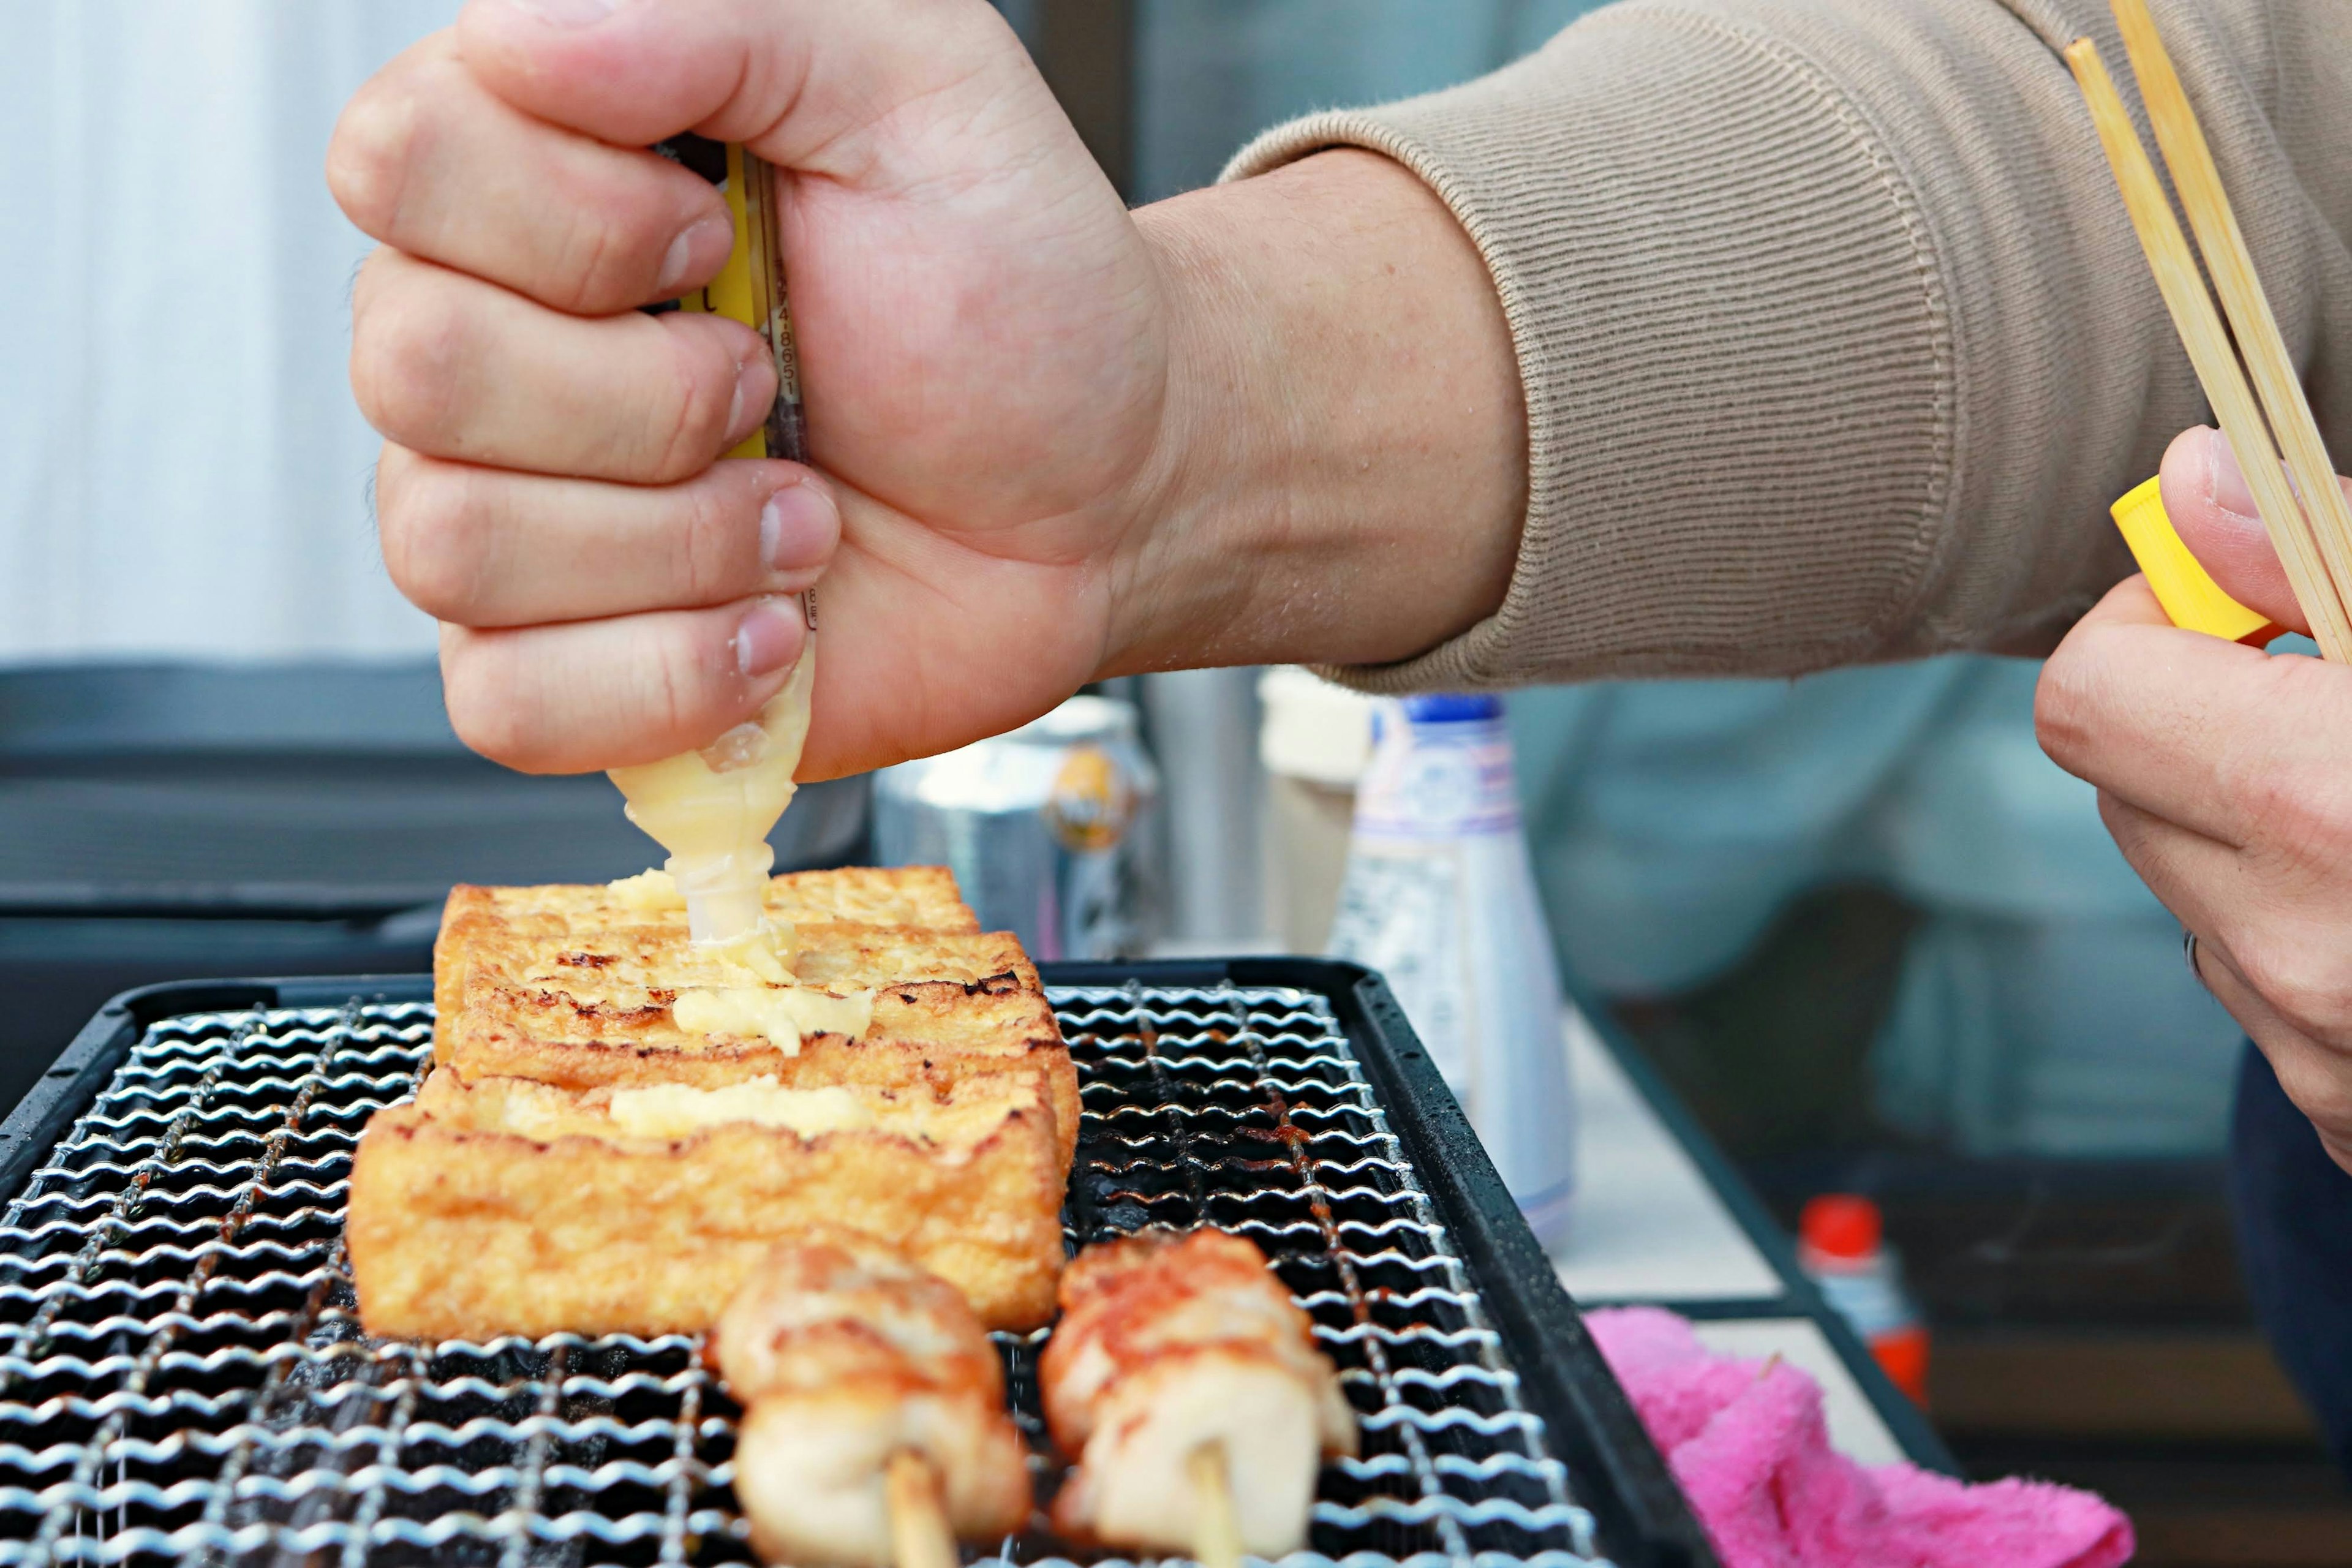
[(2189, 595)]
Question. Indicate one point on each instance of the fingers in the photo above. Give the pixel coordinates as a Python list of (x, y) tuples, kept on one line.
[(2283, 943), (2315, 1075), (585, 695), (2278, 965), (483, 547), (2203, 883), (2223, 740), (908, 617), (808, 84), (2213, 511), (451, 366), (428, 160)]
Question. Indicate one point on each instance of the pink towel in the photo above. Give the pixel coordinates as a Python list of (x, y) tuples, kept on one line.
[(1748, 1443)]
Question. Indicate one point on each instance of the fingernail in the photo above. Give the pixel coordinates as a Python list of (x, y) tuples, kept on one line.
[(2225, 482), (798, 527), (708, 242), (566, 13), (769, 637)]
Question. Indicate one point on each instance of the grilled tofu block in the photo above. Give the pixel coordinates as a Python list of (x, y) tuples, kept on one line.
[(923, 897), (586, 1009), (862, 895), (615, 966), (506, 1207)]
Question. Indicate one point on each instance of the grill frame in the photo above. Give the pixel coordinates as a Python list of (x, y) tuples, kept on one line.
[(1639, 1516)]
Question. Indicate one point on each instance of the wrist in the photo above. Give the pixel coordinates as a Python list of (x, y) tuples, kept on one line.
[(1341, 471), (1177, 578)]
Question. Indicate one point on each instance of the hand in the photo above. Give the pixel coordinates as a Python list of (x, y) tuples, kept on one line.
[(2225, 775), (1054, 440)]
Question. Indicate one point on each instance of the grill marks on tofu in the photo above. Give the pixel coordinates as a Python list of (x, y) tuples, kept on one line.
[(619, 987), (575, 916), (935, 1034), (1171, 1342), (582, 1008), (624, 962)]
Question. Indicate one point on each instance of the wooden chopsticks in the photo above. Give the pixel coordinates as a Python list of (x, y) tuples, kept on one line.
[(2309, 524)]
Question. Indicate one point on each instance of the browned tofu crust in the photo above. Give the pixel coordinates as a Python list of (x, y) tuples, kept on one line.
[(918, 896), (863, 895), (932, 1034), (624, 969), (461, 1227), (593, 1007)]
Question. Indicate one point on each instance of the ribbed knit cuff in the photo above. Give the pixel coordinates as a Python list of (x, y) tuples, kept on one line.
[(1733, 343)]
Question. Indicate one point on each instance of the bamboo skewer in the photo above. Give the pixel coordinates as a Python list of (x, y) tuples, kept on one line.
[(2202, 334), (2215, 222), (920, 1536), (1217, 1534)]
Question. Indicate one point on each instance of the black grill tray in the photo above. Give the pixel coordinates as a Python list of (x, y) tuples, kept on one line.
[(1494, 1431)]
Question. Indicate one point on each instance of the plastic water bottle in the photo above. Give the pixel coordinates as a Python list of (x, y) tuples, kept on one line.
[(1440, 897), (1842, 1243)]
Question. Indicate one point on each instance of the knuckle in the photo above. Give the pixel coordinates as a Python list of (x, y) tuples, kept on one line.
[(408, 348), (484, 708), (2117, 818), (687, 691), (2307, 982), (2062, 709), (675, 701), (707, 546), (697, 404), (434, 543), (2320, 1085), (375, 142), (2301, 815), (589, 266)]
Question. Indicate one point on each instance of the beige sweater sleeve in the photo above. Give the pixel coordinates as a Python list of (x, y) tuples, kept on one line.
[(1835, 340)]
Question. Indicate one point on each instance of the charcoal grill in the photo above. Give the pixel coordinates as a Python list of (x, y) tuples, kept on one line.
[(183, 1379)]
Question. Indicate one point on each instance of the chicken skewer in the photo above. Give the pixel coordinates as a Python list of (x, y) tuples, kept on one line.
[(1216, 1533), (875, 1430), (1186, 1384)]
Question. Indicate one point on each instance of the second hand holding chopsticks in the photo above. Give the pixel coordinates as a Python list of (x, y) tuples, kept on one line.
[(2314, 547)]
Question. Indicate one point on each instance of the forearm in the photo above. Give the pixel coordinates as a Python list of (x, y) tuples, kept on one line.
[(1833, 339), (1344, 460)]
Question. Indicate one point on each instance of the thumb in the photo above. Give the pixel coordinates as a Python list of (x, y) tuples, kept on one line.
[(2207, 498)]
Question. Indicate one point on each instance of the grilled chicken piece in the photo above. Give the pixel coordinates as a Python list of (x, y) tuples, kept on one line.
[(1171, 1341), (843, 1355)]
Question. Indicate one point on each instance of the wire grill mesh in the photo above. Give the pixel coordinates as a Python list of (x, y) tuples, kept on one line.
[(182, 1376)]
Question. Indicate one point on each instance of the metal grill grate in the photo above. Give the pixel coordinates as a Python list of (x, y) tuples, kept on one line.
[(182, 1377)]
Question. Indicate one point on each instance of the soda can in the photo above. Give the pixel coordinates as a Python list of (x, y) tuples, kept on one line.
[(1046, 829)]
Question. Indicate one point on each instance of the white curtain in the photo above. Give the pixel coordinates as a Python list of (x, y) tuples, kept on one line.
[(182, 470)]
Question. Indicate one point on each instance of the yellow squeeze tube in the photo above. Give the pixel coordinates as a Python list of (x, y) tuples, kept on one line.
[(2189, 595), (713, 809)]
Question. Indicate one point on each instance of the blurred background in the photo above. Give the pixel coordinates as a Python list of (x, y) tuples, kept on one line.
[(1872, 936)]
